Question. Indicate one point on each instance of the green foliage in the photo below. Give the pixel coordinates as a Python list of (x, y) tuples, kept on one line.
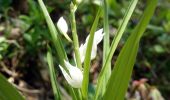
[(61, 54), (53, 76), (7, 91), (118, 82), (3, 46), (152, 62), (4, 4), (88, 56), (114, 46)]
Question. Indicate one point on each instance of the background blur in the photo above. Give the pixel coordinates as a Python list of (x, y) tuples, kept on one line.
[(24, 37)]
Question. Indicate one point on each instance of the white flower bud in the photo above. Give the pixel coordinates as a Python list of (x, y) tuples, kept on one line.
[(75, 76), (63, 27)]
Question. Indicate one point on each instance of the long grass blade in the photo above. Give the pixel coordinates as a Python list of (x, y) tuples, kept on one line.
[(106, 44), (61, 54), (118, 82), (113, 47), (53, 75), (88, 56), (7, 91)]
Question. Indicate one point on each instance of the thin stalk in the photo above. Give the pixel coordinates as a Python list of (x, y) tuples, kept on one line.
[(106, 44), (53, 76), (75, 43), (88, 56), (74, 34)]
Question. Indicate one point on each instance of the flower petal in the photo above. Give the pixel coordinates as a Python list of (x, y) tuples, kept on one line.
[(62, 25), (94, 51), (66, 75), (75, 76), (82, 51), (98, 36), (63, 28)]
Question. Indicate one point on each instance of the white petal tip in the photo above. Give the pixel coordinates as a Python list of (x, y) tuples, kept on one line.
[(62, 25), (75, 76)]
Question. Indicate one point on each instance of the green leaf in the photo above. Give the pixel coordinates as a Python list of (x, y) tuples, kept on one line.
[(106, 44), (53, 78), (61, 54), (53, 75), (7, 91), (88, 56), (113, 47), (121, 74)]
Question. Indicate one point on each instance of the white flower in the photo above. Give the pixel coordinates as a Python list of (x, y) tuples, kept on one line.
[(75, 76), (98, 36), (63, 27)]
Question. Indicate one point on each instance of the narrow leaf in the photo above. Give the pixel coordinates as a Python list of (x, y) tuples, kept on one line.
[(118, 82), (88, 56), (106, 44), (7, 91), (53, 76), (55, 36), (114, 44)]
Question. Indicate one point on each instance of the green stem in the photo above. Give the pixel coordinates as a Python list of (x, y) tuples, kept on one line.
[(106, 44), (53, 75), (75, 42), (106, 47), (75, 37), (88, 56)]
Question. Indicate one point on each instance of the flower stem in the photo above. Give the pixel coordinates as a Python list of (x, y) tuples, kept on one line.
[(74, 34)]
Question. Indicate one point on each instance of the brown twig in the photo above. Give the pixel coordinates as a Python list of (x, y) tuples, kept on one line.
[(5, 69)]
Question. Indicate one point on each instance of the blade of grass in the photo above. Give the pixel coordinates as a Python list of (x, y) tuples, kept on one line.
[(74, 92), (7, 91), (53, 75), (106, 44), (88, 56), (61, 54), (118, 82), (113, 47)]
